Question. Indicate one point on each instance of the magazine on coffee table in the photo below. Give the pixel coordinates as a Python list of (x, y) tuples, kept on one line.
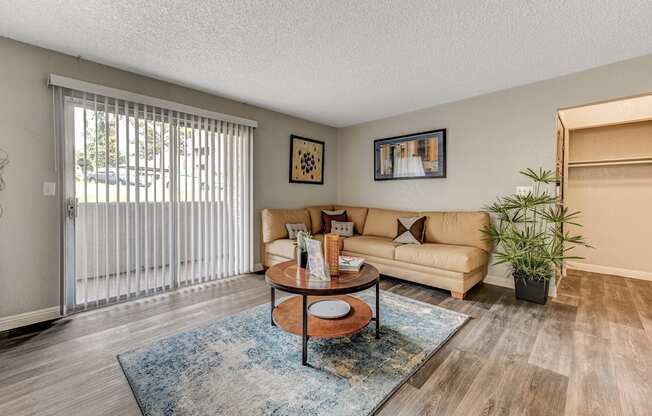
[(350, 264)]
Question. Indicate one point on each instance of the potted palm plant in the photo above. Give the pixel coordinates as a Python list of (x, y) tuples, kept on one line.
[(528, 231), (302, 248)]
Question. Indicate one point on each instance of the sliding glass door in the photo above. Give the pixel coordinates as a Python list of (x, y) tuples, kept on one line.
[(154, 199)]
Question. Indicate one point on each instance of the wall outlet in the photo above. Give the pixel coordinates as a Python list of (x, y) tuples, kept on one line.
[(523, 190), (49, 188)]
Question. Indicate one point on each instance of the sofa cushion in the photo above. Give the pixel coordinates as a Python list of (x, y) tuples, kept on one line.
[(293, 230), (376, 246), (410, 230), (382, 222), (443, 256), (458, 228), (343, 229), (283, 247), (287, 248), (274, 220), (328, 216), (357, 215), (315, 217)]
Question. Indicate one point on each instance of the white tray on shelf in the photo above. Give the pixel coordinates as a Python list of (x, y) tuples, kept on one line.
[(329, 309)]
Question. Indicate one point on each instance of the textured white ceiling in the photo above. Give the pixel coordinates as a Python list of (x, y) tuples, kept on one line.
[(339, 62)]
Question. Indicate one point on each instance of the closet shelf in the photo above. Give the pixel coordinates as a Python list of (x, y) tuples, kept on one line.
[(611, 162)]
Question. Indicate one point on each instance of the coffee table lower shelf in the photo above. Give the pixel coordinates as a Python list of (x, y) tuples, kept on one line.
[(288, 316)]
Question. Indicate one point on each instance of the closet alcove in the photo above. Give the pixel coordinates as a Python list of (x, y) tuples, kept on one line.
[(605, 162)]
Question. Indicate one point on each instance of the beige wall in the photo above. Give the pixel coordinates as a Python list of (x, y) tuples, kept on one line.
[(489, 139), (29, 228), (615, 200)]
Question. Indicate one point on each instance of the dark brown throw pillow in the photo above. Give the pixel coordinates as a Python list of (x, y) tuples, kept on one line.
[(410, 230), (328, 216)]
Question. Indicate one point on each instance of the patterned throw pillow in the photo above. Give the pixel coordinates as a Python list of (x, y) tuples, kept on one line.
[(344, 229), (328, 216), (411, 230), (293, 229)]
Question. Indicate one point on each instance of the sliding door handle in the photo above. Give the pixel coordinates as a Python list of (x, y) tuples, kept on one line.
[(72, 208)]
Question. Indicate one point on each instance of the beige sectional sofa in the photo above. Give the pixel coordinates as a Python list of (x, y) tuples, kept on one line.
[(454, 255)]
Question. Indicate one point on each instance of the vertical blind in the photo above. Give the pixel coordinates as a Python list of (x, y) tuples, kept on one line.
[(163, 197)]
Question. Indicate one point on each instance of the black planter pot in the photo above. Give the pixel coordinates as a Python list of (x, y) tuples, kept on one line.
[(303, 259), (531, 290)]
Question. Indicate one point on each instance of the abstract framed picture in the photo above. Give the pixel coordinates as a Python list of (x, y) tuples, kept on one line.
[(412, 156), (306, 160)]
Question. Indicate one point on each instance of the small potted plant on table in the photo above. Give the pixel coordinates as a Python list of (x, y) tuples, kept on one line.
[(529, 235), (302, 248)]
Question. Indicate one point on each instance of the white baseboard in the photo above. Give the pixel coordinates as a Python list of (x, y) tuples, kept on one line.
[(499, 281), (28, 318), (594, 268), (508, 281), (258, 267)]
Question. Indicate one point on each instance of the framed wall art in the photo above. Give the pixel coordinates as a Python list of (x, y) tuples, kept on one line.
[(412, 156), (306, 160)]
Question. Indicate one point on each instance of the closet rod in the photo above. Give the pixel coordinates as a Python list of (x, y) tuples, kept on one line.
[(611, 162)]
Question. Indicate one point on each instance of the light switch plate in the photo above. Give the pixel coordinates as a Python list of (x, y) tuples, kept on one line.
[(523, 190), (49, 188)]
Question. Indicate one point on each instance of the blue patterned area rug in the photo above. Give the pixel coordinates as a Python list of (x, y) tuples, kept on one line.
[(241, 365)]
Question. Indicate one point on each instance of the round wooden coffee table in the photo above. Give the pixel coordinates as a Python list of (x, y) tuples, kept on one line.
[(292, 314)]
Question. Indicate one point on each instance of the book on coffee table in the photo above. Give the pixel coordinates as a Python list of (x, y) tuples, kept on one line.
[(350, 264)]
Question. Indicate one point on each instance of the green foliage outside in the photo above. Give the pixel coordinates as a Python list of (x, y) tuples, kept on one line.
[(149, 146)]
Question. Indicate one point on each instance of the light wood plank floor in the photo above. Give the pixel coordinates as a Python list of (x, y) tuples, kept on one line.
[(589, 352)]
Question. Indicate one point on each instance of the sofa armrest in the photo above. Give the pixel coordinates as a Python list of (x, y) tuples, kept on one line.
[(273, 222)]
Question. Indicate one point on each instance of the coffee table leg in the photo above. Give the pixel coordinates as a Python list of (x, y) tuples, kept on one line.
[(378, 309), (273, 305), (304, 359)]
